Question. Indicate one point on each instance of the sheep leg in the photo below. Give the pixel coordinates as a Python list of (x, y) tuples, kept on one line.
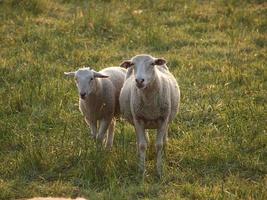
[(93, 127), (147, 140), (161, 136), (111, 134), (103, 126), (147, 136), (165, 140), (142, 144)]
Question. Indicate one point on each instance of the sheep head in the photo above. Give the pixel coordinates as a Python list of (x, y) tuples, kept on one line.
[(144, 68), (85, 79)]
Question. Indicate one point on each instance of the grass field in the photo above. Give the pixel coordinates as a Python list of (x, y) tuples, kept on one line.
[(218, 142)]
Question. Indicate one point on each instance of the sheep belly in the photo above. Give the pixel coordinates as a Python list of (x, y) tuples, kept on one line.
[(151, 123)]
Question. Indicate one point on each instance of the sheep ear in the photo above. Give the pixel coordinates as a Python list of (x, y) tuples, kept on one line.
[(99, 75), (160, 61), (69, 74), (126, 64)]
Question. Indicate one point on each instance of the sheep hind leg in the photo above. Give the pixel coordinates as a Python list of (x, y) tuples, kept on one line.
[(110, 135), (165, 142), (147, 136)]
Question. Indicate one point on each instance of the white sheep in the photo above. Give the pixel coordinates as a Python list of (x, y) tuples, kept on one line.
[(149, 99), (99, 99)]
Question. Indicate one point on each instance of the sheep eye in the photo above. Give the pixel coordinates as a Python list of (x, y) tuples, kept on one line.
[(91, 79)]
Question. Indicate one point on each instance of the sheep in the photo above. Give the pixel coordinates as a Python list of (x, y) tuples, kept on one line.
[(149, 99), (99, 99)]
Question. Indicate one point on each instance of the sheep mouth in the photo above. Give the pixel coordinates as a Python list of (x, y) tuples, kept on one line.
[(83, 97), (140, 86)]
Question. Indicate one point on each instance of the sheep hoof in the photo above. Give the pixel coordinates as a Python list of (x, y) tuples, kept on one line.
[(141, 175), (109, 147), (159, 172), (93, 136), (142, 171), (100, 138), (159, 175)]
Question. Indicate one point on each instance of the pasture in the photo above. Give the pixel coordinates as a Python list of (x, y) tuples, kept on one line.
[(217, 143)]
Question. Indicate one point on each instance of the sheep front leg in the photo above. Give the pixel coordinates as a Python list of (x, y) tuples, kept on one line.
[(142, 144), (111, 134), (93, 127), (103, 126), (161, 139)]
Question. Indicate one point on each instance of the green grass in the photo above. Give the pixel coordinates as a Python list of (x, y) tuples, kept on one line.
[(216, 50)]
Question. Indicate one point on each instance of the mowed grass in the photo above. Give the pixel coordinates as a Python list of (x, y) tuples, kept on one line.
[(217, 144)]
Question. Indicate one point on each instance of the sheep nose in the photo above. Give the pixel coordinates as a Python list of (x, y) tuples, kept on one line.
[(82, 95), (139, 80)]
